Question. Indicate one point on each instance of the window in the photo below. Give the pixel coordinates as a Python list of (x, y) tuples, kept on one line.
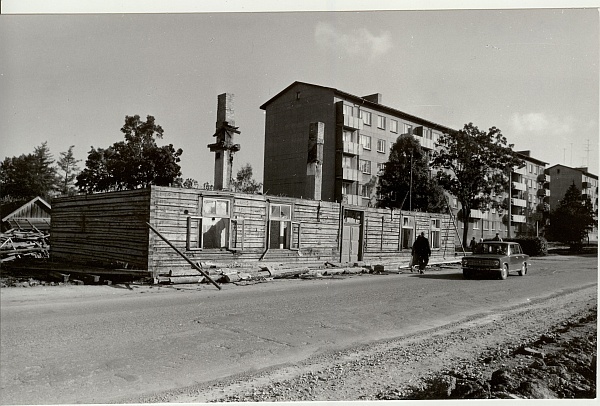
[(493, 223), (347, 162), (394, 126), (381, 122), (530, 168), (454, 203), (211, 230), (364, 166), (408, 232), (348, 136), (476, 224), (435, 233), (381, 146), (380, 167), (365, 140), (408, 129), (348, 110), (365, 191), (486, 224), (283, 232), (428, 134), (366, 117)]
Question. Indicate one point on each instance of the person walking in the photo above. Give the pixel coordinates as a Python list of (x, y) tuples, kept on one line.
[(497, 237), (421, 250), (472, 244)]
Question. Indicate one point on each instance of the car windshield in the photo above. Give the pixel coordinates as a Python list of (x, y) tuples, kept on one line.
[(485, 248)]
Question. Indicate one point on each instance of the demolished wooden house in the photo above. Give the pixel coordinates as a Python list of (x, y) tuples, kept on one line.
[(111, 229)]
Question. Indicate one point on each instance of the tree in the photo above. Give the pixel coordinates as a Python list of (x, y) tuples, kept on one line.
[(473, 166), (29, 176), (572, 219), (68, 165), (243, 181), (406, 182), (137, 162)]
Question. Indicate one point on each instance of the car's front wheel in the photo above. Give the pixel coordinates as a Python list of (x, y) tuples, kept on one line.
[(523, 270), (504, 272)]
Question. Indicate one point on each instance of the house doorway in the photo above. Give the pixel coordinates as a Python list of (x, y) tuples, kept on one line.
[(352, 236)]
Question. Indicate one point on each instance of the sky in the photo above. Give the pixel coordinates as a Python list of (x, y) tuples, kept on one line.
[(70, 79)]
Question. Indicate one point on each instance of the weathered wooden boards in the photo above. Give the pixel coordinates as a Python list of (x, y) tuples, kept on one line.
[(16, 244)]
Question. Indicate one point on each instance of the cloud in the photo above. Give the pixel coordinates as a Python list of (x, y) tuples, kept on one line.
[(542, 124), (356, 42)]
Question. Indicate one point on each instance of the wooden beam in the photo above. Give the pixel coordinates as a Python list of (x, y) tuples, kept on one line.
[(184, 256)]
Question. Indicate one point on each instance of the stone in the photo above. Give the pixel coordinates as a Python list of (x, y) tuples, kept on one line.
[(442, 387)]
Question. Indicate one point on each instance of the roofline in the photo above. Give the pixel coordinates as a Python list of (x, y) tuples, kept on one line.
[(527, 157), (576, 169), (371, 104), (45, 203)]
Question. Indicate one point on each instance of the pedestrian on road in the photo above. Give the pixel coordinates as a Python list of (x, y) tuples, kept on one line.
[(472, 244), (497, 237), (421, 250)]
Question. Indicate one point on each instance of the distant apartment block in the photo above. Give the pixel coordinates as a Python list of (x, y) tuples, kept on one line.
[(564, 176), (357, 135)]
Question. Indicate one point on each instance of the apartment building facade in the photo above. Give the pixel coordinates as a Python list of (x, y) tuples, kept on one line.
[(563, 177), (357, 135)]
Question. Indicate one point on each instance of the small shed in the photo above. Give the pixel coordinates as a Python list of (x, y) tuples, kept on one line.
[(33, 215)]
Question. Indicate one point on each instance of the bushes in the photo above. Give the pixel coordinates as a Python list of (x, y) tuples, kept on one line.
[(532, 246)]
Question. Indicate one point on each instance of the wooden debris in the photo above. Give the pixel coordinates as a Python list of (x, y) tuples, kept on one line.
[(16, 244)]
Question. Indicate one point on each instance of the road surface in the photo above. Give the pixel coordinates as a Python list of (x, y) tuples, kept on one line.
[(101, 344)]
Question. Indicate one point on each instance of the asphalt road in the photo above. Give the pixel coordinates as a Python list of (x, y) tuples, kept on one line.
[(100, 347)]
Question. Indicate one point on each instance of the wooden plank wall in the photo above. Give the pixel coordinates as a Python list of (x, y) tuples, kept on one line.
[(103, 229), (110, 228), (382, 233), (320, 232)]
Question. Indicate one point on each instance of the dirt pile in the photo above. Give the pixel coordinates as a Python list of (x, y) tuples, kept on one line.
[(560, 364)]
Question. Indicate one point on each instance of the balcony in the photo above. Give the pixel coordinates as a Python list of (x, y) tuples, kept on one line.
[(585, 185), (426, 143), (351, 148), (350, 174), (517, 218), (543, 178), (518, 202), (519, 186), (352, 199), (520, 171), (476, 214), (355, 123), (543, 193)]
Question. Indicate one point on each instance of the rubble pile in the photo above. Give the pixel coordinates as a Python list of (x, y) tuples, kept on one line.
[(16, 244)]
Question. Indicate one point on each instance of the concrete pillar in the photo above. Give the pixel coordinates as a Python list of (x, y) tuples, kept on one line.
[(314, 166), (224, 148)]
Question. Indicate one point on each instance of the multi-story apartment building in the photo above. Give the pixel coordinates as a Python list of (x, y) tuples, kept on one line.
[(564, 176), (357, 135), (358, 132)]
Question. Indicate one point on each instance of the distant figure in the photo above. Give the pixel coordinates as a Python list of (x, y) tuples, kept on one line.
[(497, 237), (421, 252), (472, 244)]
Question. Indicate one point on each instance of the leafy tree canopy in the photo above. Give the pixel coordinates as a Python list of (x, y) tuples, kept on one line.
[(474, 165), (244, 182), (406, 182), (572, 219), (137, 162), (28, 176)]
